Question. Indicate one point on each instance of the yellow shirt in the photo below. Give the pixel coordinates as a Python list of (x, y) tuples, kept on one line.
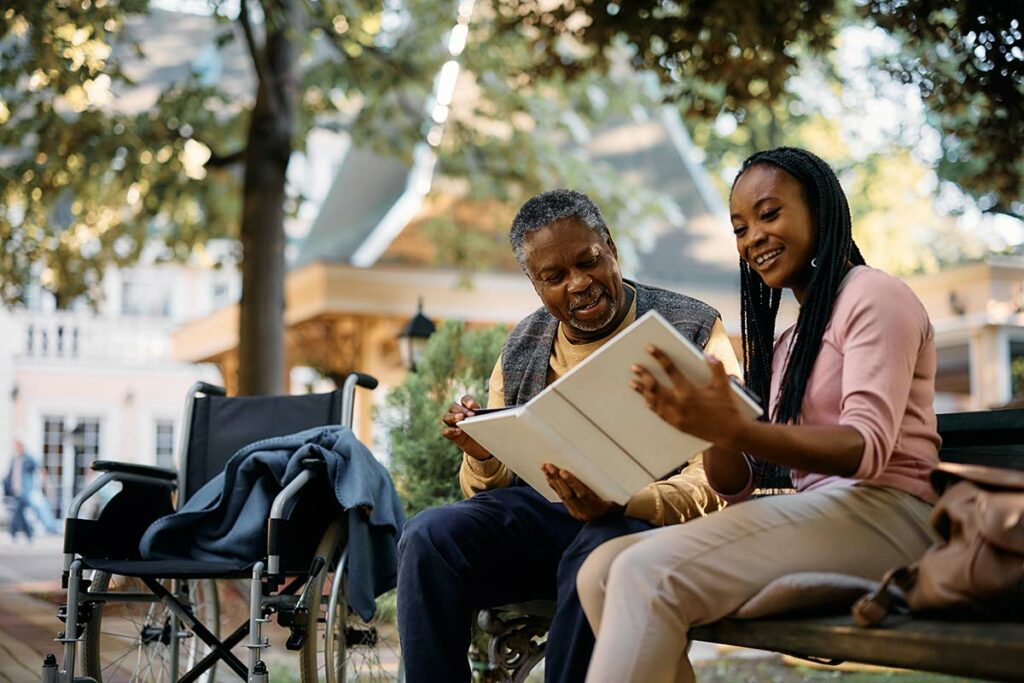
[(670, 501)]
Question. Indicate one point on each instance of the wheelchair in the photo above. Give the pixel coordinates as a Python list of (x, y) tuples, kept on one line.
[(150, 621)]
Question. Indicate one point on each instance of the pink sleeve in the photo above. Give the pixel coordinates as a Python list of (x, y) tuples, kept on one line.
[(882, 330)]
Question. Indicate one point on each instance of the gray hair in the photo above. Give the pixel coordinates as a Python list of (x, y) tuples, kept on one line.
[(550, 207)]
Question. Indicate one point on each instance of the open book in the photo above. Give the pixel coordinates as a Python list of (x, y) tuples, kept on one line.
[(593, 424)]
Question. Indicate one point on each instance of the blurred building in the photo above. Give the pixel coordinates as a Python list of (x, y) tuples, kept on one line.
[(79, 385), (977, 310)]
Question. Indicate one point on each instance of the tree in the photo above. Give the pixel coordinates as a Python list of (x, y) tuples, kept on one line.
[(88, 184), (456, 361), (965, 56)]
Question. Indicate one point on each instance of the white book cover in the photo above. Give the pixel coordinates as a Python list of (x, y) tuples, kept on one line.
[(593, 424)]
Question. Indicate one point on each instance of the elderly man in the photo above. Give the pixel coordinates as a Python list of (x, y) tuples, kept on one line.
[(505, 542)]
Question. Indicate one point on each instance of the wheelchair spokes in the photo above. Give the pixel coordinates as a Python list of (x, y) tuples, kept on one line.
[(138, 639), (343, 648)]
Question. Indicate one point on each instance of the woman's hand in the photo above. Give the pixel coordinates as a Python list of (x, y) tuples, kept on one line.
[(582, 503), (706, 412)]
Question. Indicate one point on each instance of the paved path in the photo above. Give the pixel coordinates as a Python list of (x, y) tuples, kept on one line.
[(28, 624), (30, 594)]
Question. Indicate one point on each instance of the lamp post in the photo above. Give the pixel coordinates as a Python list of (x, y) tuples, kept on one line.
[(412, 340)]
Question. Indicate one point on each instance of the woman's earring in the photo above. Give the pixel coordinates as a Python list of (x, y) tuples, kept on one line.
[(814, 262)]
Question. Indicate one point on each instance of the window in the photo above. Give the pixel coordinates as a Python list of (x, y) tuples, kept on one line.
[(53, 461), (84, 458), (144, 295), (1017, 370), (165, 444)]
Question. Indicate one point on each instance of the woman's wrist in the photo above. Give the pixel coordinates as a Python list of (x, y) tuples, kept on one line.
[(737, 439)]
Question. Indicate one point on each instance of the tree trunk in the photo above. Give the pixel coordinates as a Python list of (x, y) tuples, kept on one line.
[(268, 149)]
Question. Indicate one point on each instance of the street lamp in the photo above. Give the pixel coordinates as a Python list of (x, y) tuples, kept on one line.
[(412, 340)]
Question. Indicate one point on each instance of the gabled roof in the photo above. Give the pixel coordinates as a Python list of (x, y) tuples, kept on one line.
[(693, 247), (367, 187)]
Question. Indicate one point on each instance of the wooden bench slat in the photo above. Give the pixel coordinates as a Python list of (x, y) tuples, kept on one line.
[(980, 649)]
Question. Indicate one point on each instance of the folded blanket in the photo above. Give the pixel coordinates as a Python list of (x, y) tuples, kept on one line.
[(226, 518)]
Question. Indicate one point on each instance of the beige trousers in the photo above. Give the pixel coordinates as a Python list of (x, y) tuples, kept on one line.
[(642, 592)]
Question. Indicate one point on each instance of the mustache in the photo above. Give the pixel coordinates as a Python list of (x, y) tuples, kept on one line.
[(593, 293)]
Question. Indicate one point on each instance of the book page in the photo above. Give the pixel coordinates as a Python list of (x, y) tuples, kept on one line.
[(589, 454), (599, 387), (522, 449)]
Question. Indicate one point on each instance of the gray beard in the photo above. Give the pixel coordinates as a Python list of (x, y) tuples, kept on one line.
[(595, 324)]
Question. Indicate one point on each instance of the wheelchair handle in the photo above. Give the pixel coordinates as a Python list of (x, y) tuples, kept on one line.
[(348, 391), (365, 381)]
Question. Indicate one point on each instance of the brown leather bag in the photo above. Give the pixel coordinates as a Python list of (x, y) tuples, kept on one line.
[(977, 569)]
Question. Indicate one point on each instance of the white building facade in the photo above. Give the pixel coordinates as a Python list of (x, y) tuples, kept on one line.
[(80, 385)]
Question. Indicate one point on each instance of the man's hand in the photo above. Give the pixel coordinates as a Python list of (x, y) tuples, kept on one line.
[(457, 412), (582, 503)]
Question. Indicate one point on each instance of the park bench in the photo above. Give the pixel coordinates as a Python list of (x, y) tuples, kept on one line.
[(987, 650)]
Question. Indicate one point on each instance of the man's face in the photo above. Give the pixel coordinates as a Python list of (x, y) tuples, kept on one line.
[(575, 271)]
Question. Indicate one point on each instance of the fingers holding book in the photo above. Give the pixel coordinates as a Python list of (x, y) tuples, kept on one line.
[(707, 412), (580, 502), (457, 412)]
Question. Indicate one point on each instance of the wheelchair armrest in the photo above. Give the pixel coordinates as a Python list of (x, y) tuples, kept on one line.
[(143, 489), (162, 473)]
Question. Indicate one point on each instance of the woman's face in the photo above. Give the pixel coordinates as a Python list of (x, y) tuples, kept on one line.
[(775, 234)]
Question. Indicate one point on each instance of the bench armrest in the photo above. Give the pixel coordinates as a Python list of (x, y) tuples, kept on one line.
[(149, 471)]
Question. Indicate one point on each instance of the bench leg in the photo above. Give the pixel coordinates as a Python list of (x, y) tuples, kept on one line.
[(515, 644)]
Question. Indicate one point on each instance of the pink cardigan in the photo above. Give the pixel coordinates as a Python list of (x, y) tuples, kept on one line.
[(875, 373)]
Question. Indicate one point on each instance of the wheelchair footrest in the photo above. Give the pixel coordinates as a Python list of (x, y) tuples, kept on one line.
[(296, 640)]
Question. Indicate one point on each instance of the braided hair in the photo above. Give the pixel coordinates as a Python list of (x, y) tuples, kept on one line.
[(760, 303)]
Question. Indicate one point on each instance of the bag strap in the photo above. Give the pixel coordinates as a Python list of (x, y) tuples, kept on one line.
[(871, 609)]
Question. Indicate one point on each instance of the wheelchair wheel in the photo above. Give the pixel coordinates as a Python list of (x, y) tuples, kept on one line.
[(130, 641), (344, 648)]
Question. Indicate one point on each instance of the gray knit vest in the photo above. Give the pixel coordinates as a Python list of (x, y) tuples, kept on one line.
[(527, 353)]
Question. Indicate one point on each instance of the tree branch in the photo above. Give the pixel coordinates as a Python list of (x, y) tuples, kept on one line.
[(373, 50), (218, 161), (259, 57)]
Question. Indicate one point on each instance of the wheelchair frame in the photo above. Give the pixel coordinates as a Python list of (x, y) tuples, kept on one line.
[(265, 578)]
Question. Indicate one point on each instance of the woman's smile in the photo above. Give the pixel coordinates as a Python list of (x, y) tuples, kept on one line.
[(765, 260)]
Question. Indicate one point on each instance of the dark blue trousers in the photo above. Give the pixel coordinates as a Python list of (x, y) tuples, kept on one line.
[(500, 546)]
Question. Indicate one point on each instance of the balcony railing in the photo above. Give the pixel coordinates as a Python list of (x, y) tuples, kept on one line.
[(86, 337)]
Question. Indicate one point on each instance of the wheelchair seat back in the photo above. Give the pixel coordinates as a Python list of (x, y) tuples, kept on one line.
[(221, 425)]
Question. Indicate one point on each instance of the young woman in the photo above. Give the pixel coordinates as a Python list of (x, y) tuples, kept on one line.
[(850, 420)]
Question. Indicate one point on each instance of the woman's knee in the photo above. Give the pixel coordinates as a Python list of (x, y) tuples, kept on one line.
[(592, 577)]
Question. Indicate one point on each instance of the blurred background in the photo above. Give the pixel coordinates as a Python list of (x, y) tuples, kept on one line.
[(269, 195)]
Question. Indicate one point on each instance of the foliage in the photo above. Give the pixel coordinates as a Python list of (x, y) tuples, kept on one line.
[(85, 185), (88, 180), (456, 361), (708, 55), (967, 59), (964, 55)]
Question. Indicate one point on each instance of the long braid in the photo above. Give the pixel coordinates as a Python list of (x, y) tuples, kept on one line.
[(835, 251)]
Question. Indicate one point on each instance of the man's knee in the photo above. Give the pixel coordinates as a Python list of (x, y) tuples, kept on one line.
[(598, 532), (426, 531)]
